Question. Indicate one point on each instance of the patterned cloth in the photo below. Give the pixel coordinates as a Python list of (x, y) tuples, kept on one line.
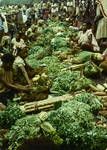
[(102, 26), (103, 7)]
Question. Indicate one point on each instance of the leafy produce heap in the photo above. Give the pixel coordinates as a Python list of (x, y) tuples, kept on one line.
[(79, 121)]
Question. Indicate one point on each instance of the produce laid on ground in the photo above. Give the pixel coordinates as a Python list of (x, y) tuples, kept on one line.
[(67, 105)]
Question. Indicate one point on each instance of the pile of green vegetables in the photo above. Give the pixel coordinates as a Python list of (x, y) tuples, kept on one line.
[(31, 127), (75, 123), (51, 62), (10, 115), (63, 82), (54, 37), (70, 81), (71, 125), (93, 101)]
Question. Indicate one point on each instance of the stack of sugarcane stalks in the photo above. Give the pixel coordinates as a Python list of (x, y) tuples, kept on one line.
[(44, 105), (48, 104)]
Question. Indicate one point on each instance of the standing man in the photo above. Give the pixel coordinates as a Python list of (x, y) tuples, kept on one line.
[(101, 21)]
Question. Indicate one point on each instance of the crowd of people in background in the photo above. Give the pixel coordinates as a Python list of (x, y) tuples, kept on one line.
[(19, 27), (22, 20)]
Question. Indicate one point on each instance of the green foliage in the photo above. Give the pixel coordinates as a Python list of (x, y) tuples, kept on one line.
[(84, 56), (32, 61), (93, 101), (91, 70), (31, 127), (71, 122), (59, 42), (64, 81), (54, 66), (96, 138), (75, 123), (81, 83), (33, 50), (24, 128), (10, 115), (70, 81)]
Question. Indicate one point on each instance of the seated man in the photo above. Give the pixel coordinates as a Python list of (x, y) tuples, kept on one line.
[(19, 64), (7, 86), (86, 39)]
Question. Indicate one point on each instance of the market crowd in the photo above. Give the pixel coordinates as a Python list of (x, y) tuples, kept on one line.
[(20, 25)]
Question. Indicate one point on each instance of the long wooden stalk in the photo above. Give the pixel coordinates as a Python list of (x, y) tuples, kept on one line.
[(44, 104)]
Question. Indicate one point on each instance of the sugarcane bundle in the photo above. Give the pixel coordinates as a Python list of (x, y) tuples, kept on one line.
[(44, 104)]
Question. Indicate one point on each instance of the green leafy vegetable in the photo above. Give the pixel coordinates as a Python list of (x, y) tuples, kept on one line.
[(31, 127), (64, 81), (10, 115)]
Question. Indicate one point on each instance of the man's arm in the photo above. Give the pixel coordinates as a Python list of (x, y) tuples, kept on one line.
[(25, 74), (15, 86)]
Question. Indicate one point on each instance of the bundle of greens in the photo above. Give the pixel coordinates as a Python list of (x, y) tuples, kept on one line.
[(71, 122), (54, 66), (82, 57), (10, 115), (69, 81), (59, 42), (81, 83), (91, 69), (93, 101), (32, 61), (31, 127), (35, 49), (97, 138), (75, 123)]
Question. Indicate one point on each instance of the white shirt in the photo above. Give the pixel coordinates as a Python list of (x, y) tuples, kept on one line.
[(18, 62), (54, 10), (24, 17), (21, 44), (84, 38)]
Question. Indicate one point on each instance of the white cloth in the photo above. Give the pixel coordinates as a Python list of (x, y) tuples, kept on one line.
[(54, 10), (21, 44), (28, 12), (18, 62), (84, 38), (103, 7), (102, 26), (5, 26), (69, 3), (24, 16)]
